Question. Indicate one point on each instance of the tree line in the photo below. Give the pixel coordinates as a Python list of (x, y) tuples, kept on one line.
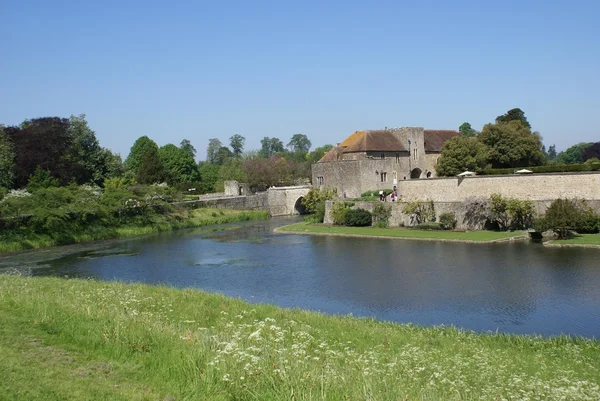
[(61, 151), (509, 142)]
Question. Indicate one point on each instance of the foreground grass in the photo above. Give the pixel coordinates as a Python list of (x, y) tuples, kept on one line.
[(94, 232), (76, 339), (475, 236), (580, 239)]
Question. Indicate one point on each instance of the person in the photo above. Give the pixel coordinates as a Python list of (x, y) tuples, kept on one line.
[(381, 196), (394, 196)]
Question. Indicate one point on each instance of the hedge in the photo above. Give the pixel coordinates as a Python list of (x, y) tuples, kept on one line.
[(563, 168)]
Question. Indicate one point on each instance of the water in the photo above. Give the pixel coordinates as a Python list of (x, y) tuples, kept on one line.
[(509, 287)]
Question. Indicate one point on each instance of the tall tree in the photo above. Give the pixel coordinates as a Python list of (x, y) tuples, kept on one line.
[(85, 153), (213, 148), (44, 143), (237, 144), (222, 154), (466, 130), (299, 144), (512, 115), (574, 154), (178, 164), (112, 164), (270, 146), (592, 152), (150, 170), (7, 160), (142, 146), (512, 144), (461, 154), (209, 176), (551, 154), (188, 148)]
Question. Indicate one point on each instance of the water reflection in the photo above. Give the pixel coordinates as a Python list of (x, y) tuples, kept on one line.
[(513, 287)]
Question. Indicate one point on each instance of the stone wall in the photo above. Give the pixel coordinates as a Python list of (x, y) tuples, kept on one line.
[(282, 201), (251, 202), (535, 187)]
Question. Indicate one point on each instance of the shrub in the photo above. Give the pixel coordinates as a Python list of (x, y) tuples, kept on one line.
[(338, 213), (476, 213), (520, 213), (557, 168), (41, 179), (420, 212), (448, 220), (314, 202), (498, 211), (358, 218), (430, 225), (381, 214), (561, 216)]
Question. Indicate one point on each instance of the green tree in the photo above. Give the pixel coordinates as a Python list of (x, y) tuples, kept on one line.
[(270, 146), (561, 216), (85, 154), (551, 154), (512, 144), (209, 176), (318, 153), (232, 169), (299, 144), (150, 169), (514, 115), (188, 148), (460, 154), (7, 161), (112, 164), (466, 130), (574, 154), (214, 145), (237, 144), (222, 154), (140, 148), (41, 179), (178, 164)]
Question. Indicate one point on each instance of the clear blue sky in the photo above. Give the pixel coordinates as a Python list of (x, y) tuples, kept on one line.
[(204, 69)]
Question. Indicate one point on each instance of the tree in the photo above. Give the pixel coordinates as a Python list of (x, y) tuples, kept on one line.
[(591, 152), (150, 169), (466, 130), (188, 148), (318, 153), (7, 161), (232, 169), (142, 146), (561, 216), (513, 115), (85, 153), (299, 144), (237, 144), (222, 154), (44, 143), (460, 154), (209, 176), (213, 148), (270, 146), (178, 164), (512, 144), (551, 154), (574, 154)]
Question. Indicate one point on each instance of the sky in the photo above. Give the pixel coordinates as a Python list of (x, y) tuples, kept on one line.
[(210, 69)]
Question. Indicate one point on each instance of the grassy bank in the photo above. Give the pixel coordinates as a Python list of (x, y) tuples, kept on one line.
[(75, 339), (10, 242), (471, 236), (580, 239)]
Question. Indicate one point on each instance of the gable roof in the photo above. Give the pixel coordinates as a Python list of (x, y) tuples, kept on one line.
[(373, 141), (334, 154), (434, 139)]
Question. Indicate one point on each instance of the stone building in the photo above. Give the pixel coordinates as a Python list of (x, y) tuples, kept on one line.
[(380, 159)]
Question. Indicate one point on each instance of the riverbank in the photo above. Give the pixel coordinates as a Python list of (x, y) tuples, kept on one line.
[(94, 232), (402, 233), (80, 339), (580, 240)]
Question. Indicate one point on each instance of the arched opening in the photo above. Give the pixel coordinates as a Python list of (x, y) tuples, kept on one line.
[(299, 207), (415, 173)]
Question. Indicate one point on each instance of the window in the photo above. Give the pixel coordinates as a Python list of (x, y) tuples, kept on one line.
[(414, 154), (395, 176), (397, 158), (383, 176), (320, 180), (382, 155)]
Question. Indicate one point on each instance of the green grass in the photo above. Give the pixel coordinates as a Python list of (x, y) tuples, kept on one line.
[(476, 236), (85, 340), (580, 239), (195, 218)]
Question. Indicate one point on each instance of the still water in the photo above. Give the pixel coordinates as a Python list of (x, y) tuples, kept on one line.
[(510, 287)]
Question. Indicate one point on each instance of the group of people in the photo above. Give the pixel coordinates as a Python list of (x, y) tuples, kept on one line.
[(393, 195)]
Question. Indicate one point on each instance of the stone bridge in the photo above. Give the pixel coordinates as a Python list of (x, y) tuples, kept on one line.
[(285, 201)]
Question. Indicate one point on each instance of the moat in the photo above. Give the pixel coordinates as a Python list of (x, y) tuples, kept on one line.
[(510, 287)]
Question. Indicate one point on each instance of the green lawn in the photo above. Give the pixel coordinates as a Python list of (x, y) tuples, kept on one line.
[(476, 236), (581, 239), (12, 242), (86, 340)]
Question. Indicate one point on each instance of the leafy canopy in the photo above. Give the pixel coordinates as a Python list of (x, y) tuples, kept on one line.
[(460, 154)]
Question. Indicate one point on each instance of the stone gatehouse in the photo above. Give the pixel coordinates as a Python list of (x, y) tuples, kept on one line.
[(379, 159)]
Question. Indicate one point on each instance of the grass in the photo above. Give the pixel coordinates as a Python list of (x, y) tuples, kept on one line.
[(93, 232), (580, 239), (76, 339), (474, 236)]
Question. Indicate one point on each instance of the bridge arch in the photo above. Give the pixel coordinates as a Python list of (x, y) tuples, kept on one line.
[(299, 208)]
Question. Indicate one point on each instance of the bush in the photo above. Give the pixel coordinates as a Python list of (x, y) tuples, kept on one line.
[(381, 214), (430, 225), (381, 224), (338, 213), (358, 218), (314, 202), (476, 213), (448, 220), (561, 217), (420, 212), (557, 168), (510, 213)]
